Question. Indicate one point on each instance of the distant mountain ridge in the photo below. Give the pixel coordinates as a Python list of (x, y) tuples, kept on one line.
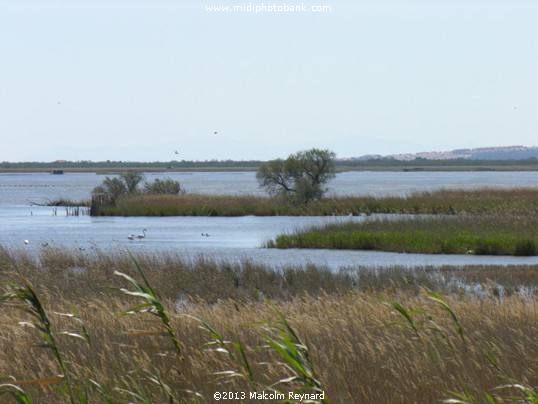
[(481, 153)]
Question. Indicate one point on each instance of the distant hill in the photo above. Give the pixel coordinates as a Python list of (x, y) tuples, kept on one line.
[(482, 153)]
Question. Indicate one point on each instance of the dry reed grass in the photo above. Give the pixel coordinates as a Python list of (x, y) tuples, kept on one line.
[(364, 350), (519, 201)]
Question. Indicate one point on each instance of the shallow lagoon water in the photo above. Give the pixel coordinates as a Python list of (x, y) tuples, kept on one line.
[(17, 189), (230, 238)]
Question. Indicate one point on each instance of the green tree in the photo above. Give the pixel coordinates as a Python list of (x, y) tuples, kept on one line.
[(300, 178)]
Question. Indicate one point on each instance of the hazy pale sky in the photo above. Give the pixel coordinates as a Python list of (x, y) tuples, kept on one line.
[(138, 80)]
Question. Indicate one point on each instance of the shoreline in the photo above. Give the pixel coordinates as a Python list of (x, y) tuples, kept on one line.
[(113, 170)]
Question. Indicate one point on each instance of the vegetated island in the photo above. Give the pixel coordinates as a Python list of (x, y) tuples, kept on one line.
[(480, 235), (517, 201)]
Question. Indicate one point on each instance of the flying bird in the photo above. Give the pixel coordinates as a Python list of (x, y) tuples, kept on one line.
[(215, 133), (177, 152)]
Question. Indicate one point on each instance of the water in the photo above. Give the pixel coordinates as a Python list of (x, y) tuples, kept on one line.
[(22, 188), (232, 239)]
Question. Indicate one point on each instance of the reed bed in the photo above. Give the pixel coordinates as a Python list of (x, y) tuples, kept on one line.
[(193, 205), (470, 234), (369, 338), (520, 201), (82, 275)]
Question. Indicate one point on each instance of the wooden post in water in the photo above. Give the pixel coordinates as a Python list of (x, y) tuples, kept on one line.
[(99, 201)]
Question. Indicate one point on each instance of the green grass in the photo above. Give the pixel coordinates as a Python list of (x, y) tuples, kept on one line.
[(522, 201), (481, 235)]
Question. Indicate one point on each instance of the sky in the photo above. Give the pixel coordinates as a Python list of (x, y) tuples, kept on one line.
[(141, 80)]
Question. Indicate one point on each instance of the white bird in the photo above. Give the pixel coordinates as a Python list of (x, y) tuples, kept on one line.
[(26, 242), (131, 237), (143, 235)]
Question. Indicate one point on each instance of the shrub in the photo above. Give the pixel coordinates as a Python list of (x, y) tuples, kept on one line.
[(167, 186)]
